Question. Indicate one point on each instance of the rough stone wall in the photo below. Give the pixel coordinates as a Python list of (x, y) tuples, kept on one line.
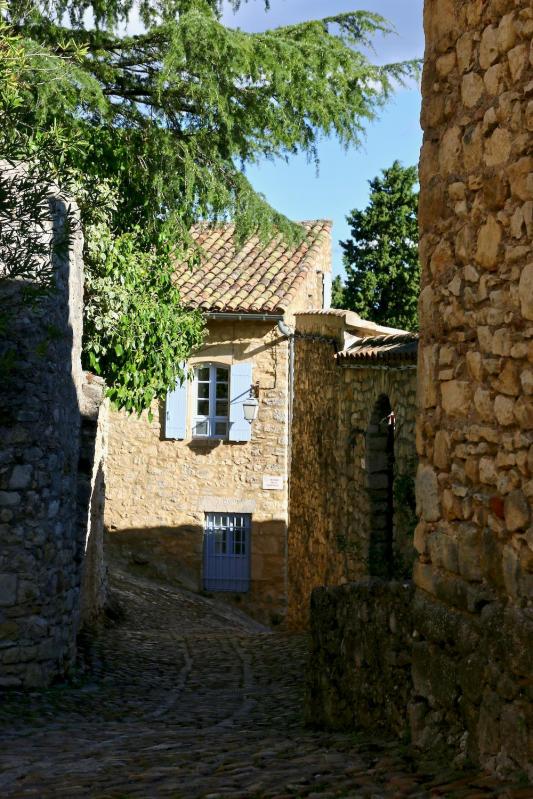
[(473, 661), (41, 546), (159, 490), (317, 465), (330, 520), (363, 390), (92, 467), (360, 664)]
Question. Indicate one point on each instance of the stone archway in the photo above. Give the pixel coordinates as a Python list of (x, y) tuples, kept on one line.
[(380, 479)]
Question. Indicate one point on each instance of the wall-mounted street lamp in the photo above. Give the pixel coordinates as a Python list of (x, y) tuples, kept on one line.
[(251, 405)]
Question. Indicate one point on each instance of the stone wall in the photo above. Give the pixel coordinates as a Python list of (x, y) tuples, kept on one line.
[(385, 657), (47, 480), (42, 548), (314, 557), (331, 524), (360, 664), (473, 664), (159, 490), (92, 469)]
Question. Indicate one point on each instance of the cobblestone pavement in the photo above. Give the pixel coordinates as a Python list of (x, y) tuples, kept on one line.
[(188, 698)]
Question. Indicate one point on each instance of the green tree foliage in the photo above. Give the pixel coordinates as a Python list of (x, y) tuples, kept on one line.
[(136, 331), (381, 257), (170, 115), (337, 293), (166, 120), (24, 251), (26, 247)]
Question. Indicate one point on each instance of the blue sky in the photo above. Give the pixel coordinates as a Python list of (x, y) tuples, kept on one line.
[(294, 188)]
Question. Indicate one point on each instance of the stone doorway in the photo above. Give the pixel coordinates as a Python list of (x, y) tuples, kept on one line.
[(380, 481)]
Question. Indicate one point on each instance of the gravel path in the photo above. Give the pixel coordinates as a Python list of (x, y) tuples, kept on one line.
[(188, 698)]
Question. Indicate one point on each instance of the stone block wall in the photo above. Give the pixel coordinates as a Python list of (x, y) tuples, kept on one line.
[(359, 675), (473, 665), (317, 449), (42, 549), (43, 527), (330, 520), (92, 468)]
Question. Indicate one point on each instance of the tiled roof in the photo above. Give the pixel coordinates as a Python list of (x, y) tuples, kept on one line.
[(257, 278), (399, 348)]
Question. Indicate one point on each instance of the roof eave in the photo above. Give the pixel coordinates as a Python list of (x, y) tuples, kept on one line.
[(241, 316), (375, 359)]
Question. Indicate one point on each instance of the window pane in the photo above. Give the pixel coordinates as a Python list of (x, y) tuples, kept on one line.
[(222, 390), (221, 428), (239, 542), (222, 375), (203, 373), (222, 408), (201, 428), (203, 390), (203, 407), (220, 542)]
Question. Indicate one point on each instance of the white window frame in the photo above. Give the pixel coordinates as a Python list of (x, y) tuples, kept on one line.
[(212, 417)]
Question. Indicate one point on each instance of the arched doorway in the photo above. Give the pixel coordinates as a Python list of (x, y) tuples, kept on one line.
[(380, 479)]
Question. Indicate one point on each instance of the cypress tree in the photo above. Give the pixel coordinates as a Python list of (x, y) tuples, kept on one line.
[(381, 256)]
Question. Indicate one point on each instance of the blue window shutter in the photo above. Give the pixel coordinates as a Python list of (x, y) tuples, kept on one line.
[(239, 387), (176, 411)]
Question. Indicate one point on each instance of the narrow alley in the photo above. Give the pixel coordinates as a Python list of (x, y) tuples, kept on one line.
[(186, 698)]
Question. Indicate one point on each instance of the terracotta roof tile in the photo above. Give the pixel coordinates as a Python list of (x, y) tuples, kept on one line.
[(395, 348), (259, 277)]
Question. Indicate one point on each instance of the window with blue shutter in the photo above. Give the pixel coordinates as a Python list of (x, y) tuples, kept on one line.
[(176, 411), (239, 387), (210, 401)]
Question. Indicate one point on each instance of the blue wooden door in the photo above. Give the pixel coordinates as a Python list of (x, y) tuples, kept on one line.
[(227, 552)]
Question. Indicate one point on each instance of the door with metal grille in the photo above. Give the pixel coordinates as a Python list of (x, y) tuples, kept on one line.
[(227, 551)]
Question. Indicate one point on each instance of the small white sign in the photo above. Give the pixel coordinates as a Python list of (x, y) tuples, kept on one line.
[(272, 482)]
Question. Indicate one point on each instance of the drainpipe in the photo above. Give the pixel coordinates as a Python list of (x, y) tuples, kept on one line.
[(286, 331)]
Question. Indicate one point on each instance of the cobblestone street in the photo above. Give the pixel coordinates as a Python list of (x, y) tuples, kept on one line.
[(188, 698)]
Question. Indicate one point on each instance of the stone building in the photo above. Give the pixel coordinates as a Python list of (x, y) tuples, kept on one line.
[(353, 454), (269, 510), (199, 494)]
